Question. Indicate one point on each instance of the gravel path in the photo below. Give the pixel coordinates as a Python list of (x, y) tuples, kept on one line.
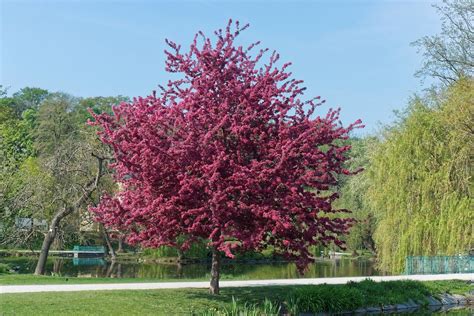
[(181, 285)]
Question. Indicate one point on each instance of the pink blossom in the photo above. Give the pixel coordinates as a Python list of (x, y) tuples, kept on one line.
[(229, 153)]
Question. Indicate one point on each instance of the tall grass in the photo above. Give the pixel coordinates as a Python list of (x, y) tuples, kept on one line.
[(238, 308)]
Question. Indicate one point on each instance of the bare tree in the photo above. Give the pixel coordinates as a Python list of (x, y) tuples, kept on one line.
[(64, 212), (449, 55), (64, 145), (51, 184)]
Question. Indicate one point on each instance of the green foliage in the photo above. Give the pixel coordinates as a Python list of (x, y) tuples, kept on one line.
[(23, 191), (98, 105), (353, 196), (197, 250), (200, 250), (45, 160), (450, 286), (421, 179), (4, 268), (56, 126), (28, 98), (338, 298), (6, 112), (16, 139), (16, 170), (160, 252), (322, 298), (238, 308)]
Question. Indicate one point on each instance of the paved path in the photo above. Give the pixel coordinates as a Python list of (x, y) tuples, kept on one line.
[(181, 285)]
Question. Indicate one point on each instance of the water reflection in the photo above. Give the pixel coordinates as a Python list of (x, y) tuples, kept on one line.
[(93, 267)]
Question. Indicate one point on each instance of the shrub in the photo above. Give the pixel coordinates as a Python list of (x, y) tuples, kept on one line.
[(325, 298), (4, 268)]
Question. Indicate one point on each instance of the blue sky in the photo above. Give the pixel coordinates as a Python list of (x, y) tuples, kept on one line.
[(355, 54)]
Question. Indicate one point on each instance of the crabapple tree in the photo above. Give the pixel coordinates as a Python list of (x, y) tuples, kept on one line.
[(228, 153)]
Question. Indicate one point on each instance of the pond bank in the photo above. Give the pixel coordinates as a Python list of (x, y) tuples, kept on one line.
[(442, 302)]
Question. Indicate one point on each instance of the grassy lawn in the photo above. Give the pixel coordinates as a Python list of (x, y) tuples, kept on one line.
[(156, 302), (197, 301), (28, 279)]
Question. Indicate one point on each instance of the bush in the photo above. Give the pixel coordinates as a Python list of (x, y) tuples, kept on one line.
[(197, 250), (4, 268), (325, 298), (349, 297)]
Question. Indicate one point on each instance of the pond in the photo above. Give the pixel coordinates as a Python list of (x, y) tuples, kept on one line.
[(238, 270)]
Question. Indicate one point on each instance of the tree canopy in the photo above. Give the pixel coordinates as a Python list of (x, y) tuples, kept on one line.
[(449, 55), (421, 179), (45, 161), (229, 153)]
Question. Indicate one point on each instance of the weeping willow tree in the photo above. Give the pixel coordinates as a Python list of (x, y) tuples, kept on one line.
[(421, 179)]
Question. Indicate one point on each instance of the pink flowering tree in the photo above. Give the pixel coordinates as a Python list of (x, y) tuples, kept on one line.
[(228, 154)]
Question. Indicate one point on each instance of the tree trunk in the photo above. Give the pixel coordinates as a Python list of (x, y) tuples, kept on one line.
[(57, 266), (179, 269), (41, 265), (369, 243), (53, 228), (120, 244), (215, 272), (107, 241), (110, 270), (48, 240), (119, 270), (180, 255)]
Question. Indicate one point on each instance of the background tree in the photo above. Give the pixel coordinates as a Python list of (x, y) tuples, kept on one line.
[(450, 55), (46, 165), (17, 168), (6, 104), (21, 201), (72, 157), (421, 179), (28, 98), (353, 192), (228, 154)]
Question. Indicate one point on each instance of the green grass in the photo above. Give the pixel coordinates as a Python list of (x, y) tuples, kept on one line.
[(159, 302), (254, 300), (28, 279), (451, 286)]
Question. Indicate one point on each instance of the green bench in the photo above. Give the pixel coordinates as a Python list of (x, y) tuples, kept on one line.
[(88, 250)]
